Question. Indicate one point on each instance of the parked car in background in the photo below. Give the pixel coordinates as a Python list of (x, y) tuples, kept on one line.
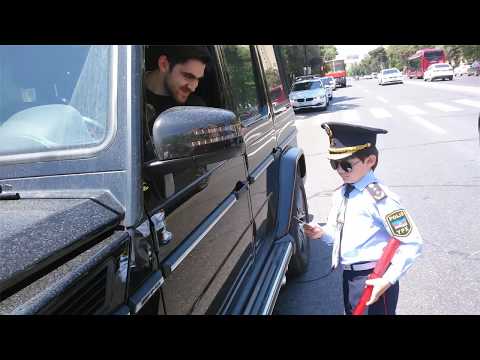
[(374, 75), (368, 76), (390, 76), (308, 94), (329, 84), (438, 71), (463, 69), (476, 68)]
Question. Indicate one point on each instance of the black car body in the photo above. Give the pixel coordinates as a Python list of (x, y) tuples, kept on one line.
[(87, 226)]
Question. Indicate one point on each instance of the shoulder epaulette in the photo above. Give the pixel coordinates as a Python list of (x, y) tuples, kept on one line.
[(376, 191)]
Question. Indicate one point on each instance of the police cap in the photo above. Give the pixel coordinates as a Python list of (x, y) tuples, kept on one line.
[(346, 139)]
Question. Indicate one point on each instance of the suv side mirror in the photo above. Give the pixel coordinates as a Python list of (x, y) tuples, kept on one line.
[(188, 135)]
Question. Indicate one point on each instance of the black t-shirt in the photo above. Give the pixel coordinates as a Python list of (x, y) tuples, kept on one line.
[(162, 103)]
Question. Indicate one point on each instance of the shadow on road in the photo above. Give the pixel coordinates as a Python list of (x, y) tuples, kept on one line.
[(313, 293)]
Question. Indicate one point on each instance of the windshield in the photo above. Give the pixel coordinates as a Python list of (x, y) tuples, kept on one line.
[(53, 97), (308, 85), (443, 66), (327, 81), (433, 55), (392, 71)]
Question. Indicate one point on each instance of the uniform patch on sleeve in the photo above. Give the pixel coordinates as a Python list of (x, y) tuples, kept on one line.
[(399, 223), (376, 191)]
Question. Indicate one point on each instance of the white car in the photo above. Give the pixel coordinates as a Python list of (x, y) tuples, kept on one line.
[(438, 71), (308, 94), (390, 76), (329, 84), (463, 69)]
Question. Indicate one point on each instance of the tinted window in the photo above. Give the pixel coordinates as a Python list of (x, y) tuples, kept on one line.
[(308, 85), (272, 75), (53, 97), (393, 71), (241, 72), (433, 55)]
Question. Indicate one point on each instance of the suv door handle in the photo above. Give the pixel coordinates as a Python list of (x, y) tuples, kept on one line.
[(240, 189)]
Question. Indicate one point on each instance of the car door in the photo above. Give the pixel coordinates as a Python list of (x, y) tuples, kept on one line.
[(250, 98), (207, 212)]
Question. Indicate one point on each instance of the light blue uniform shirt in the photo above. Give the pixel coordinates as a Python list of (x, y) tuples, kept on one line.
[(369, 224)]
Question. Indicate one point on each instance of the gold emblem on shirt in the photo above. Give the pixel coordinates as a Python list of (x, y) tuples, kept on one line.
[(399, 223)]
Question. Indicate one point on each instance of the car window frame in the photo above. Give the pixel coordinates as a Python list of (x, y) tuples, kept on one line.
[(87, 151)]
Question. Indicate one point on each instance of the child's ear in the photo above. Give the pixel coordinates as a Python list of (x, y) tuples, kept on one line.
[(371, 160)]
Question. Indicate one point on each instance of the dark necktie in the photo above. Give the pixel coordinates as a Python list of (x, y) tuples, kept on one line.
[(348, 190)]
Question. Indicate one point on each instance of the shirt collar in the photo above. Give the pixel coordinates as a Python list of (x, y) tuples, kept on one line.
[(364, 181)]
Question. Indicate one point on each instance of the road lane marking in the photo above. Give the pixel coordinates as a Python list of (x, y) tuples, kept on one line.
[(442, 107), (349, 116), (449, 87), (468, 102), (411, 110), (380, 113), (382, 99), (428, 124)]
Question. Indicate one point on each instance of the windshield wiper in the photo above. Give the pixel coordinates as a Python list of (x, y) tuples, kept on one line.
[(7, 194)]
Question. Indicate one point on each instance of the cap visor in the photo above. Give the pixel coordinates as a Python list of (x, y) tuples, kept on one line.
[(339, 156)]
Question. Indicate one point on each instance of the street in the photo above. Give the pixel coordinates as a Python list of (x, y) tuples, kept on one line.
[(430, 158)]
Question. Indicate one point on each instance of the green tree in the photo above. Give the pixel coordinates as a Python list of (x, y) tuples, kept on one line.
[(298, 56), (471, 52)]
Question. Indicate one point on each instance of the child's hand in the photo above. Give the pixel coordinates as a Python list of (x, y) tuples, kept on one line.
[(380, 285), (313, 231)]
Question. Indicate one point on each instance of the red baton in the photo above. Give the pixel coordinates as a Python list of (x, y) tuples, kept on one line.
[(379, 270)]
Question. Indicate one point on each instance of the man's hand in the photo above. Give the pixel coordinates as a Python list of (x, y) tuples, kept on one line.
[(380, 285), (313, 231)]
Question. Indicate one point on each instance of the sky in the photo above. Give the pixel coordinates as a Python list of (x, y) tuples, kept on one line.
[(360, 50)]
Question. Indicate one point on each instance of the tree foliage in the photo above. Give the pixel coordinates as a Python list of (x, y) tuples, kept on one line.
[(298, 56)]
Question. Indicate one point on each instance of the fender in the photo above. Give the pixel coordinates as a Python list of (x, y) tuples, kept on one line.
[(289, 161)]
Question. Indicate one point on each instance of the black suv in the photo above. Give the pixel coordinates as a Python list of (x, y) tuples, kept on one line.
[(87, 226)]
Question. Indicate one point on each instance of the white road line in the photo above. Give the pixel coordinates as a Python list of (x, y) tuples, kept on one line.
[(468, 102), (349, 116), (382, 99), (380, 113), (442, 106), (411, 110), (446, 86), (428, 124)]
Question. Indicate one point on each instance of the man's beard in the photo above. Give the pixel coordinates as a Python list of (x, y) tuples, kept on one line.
[(170, 92)]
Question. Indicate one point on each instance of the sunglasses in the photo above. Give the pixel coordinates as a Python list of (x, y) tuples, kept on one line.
[(344, 164)]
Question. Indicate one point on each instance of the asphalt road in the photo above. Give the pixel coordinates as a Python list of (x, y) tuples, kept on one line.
[(431, 159)]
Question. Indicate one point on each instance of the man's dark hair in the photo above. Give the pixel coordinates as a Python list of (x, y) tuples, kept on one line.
[(363, 154), (178, 54)]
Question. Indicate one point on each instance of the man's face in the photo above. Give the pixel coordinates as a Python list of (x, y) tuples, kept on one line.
[(358, 168), (183, 79)]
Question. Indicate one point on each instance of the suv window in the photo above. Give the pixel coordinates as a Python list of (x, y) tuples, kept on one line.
[(239, 63), (53, 97), (272, 74)]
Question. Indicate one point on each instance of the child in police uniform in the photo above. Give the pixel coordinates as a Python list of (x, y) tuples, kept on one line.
[(365, 214)]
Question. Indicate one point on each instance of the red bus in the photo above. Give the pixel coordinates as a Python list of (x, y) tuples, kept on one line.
[(422, 59), (336, 69)]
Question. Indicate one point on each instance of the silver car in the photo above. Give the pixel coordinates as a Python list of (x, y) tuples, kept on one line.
[(308, 94)]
